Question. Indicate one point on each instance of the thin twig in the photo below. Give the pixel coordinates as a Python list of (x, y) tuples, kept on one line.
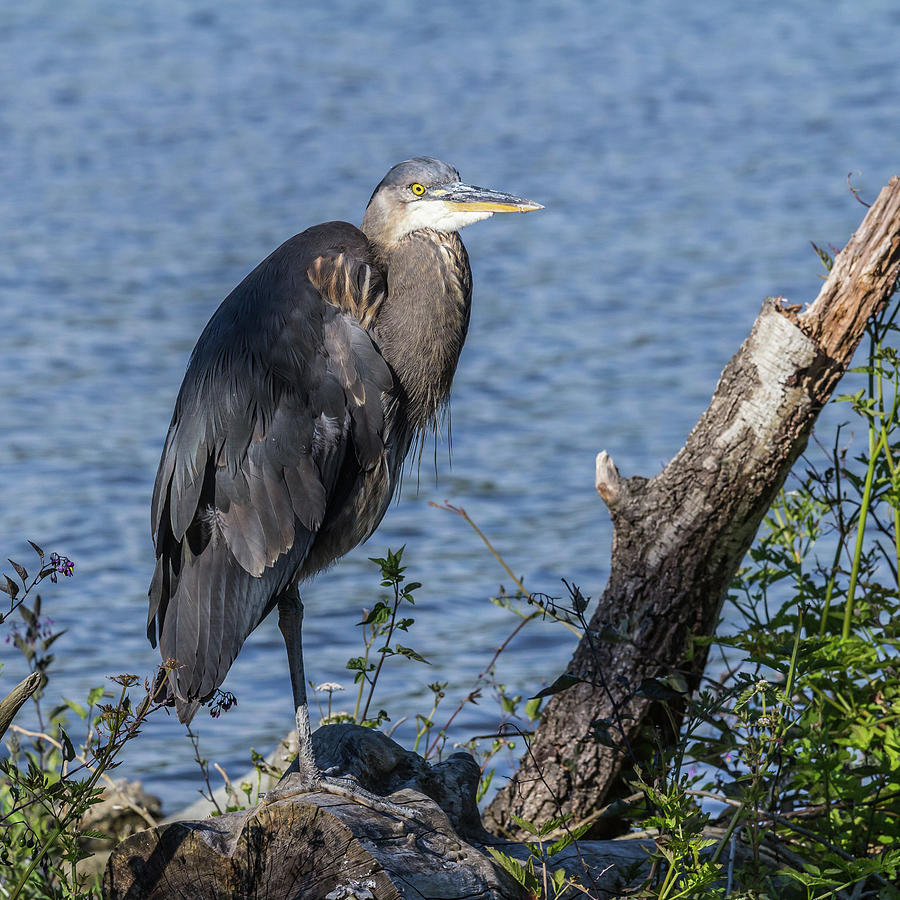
[(139, 810), (505, 644), (229, 787), (471, 697), (556, 801), (855, 192), (459, 511)]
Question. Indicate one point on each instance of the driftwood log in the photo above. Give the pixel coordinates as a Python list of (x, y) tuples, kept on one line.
[(680, 536), (316, 846)]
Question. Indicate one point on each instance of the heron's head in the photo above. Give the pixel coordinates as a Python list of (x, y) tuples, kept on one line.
[(427, 193)]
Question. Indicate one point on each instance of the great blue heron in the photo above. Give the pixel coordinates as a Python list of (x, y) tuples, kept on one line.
[(300, 402)]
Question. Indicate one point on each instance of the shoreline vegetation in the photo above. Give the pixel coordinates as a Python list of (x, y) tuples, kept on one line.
[(779, 776)]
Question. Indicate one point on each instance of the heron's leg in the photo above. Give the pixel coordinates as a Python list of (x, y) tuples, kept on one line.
[(290, 621)]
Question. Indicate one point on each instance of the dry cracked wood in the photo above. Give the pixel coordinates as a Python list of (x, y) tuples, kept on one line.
[(680, 536), (316, 846)]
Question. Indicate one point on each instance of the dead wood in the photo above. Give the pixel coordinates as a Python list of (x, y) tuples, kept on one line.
[(316, 846), (680, 536)]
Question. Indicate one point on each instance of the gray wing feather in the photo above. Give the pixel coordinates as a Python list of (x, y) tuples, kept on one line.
[(281, 386)]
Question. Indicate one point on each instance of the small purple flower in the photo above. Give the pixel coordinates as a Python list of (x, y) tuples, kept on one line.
[(62, 565)]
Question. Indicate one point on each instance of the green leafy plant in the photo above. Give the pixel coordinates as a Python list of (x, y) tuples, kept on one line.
[(798, 743), (50, 778), (380, 625), (536, 874)]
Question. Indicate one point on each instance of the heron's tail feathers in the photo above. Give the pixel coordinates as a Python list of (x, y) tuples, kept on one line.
[(201, 619)]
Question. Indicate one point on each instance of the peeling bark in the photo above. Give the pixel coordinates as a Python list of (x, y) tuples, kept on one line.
[(680, 536)]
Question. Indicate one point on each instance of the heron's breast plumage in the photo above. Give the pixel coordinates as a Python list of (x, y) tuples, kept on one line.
[(421, 325)]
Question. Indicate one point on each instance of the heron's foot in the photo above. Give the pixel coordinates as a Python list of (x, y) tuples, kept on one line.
[(348, 787), (345, 786)]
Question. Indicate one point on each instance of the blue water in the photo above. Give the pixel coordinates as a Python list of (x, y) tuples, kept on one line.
[(152, 153)]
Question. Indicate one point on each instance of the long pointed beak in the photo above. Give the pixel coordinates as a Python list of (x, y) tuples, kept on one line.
[(468, 198)]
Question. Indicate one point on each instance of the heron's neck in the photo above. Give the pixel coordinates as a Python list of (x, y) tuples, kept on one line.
[(422, 322)]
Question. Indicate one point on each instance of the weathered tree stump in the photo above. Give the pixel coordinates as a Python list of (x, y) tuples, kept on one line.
[(309, 846), (316, 846)]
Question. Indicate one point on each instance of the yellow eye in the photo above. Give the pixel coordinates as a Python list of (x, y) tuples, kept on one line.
[(417, 189)]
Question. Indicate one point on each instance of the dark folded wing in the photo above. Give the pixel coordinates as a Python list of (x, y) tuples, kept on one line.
[(282, 387)]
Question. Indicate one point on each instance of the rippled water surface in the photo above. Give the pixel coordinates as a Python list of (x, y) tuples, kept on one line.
[(152, 153)]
